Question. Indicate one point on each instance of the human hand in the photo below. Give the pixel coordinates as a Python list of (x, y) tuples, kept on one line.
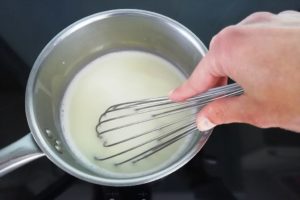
[(261, 54)]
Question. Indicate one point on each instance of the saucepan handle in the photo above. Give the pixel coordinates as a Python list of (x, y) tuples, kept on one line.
[(18, 154)]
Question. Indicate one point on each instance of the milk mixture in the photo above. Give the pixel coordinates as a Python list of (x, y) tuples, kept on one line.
[(111, 79)]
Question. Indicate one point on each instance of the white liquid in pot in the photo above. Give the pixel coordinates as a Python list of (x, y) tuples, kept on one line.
[(111, 79)]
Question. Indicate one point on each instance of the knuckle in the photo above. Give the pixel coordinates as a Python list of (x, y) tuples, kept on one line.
[(258, 120), (226, 45), (226, 39), (222, 37), (289, 12), (260, 17)]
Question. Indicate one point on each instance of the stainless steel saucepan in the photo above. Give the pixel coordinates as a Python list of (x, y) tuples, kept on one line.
[(66, 54)]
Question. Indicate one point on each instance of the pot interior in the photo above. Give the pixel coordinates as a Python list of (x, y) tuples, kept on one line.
[(81, 43)]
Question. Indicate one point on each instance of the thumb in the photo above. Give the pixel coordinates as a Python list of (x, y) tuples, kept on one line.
[(224, 111)]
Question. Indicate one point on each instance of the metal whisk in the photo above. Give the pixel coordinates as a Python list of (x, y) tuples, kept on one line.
[(153, 124)]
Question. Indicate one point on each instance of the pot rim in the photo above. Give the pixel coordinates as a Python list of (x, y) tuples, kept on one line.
[(37, 133)]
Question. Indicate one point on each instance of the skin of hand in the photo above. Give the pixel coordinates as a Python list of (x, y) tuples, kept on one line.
[(261, 54)]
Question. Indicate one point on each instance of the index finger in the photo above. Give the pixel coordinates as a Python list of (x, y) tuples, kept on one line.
[(207, 74)]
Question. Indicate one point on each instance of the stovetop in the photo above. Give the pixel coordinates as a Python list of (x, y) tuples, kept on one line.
[(238, 162), (42, 180)]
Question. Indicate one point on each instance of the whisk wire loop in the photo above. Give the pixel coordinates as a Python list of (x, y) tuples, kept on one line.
[(173, 121)]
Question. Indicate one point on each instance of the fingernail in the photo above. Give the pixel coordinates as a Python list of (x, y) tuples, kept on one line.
[(171, 92), (204, 124)]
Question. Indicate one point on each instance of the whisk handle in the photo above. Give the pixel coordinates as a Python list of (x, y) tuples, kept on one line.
[(217, 93)]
